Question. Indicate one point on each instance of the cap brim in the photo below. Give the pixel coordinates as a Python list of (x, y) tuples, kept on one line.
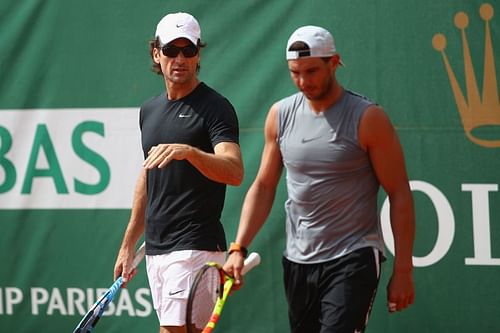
[(169, 39)]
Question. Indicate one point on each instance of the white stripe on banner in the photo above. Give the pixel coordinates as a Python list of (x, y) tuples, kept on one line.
[(69, 158)]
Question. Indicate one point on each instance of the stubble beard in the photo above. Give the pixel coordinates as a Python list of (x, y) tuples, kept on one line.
[(325, 91)]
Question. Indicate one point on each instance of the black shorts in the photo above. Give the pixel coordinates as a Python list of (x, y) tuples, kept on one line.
[(334, 296)]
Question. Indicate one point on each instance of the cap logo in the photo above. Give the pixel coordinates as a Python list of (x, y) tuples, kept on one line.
[(179, 25)]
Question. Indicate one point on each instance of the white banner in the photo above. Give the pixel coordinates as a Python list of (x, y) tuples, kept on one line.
[(69, 158)]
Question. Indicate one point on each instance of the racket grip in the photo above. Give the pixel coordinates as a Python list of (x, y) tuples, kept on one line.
[(139, 254), (250, 262), (115, 287)]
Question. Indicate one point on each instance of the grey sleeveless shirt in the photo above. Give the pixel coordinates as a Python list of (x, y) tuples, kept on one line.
[(331, 208)]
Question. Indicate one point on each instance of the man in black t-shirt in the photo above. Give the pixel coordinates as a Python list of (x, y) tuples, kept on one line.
[(190, 141)]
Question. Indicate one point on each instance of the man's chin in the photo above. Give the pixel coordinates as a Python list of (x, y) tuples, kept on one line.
[(178, 79), (311, 96)]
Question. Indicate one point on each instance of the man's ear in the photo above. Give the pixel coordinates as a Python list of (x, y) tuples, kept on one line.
[(156, 55), (336, 59)]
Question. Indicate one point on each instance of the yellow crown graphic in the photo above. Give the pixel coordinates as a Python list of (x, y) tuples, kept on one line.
[(475, 111)]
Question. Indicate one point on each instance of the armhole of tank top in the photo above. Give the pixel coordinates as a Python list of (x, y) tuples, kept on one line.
[(278, 122), (360, 116)]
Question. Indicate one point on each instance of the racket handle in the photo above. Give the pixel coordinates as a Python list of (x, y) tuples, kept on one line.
[(250, 262), (139, 254), (115, 287)]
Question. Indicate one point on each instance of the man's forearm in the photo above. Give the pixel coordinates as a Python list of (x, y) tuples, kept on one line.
[(403, 228), (135, 227), (225, 169), (255, 210)]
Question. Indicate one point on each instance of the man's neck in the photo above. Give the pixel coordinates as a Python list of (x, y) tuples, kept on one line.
[(323, 104), (177, 91)]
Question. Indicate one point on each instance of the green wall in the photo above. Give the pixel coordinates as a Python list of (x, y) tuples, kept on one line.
[(73, 74)]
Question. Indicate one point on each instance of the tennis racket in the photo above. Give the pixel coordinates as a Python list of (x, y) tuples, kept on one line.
[(209, 293), (91, 318)]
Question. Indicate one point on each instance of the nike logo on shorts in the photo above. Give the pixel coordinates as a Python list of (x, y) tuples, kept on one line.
[(172, 293)]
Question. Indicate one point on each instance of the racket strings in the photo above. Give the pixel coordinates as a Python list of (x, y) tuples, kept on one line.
[(207, 288)]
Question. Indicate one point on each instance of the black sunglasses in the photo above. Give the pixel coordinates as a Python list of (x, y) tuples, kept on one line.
[(172, 51)]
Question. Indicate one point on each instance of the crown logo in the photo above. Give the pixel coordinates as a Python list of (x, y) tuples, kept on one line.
[(475, 111)]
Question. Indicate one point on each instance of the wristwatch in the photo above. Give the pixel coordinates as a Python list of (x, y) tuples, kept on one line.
[(237, 247)]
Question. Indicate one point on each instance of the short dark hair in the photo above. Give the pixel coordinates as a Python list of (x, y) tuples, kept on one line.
[(298, 46), (156, 44)]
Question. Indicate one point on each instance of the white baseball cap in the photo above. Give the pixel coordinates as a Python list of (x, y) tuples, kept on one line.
[(319, 41), (178, 25)]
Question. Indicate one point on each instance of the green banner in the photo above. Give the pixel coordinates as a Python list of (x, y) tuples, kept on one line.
[(73, 75)]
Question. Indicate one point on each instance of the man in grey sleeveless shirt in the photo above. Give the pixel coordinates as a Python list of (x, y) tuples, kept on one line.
[(337, 148)]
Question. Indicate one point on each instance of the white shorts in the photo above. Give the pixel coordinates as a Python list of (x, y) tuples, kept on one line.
[(170, 277)]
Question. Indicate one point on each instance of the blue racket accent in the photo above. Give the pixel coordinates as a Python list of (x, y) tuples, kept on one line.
[(88, 322), (90, 319)]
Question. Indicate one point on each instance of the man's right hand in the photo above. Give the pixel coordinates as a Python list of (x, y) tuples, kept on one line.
[(123, 266), (233, 266)]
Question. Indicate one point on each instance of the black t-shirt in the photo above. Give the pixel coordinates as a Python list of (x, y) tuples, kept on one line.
[(184, 207)]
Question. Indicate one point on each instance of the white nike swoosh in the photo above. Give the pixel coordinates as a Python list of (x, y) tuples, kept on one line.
[(184, 115)]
